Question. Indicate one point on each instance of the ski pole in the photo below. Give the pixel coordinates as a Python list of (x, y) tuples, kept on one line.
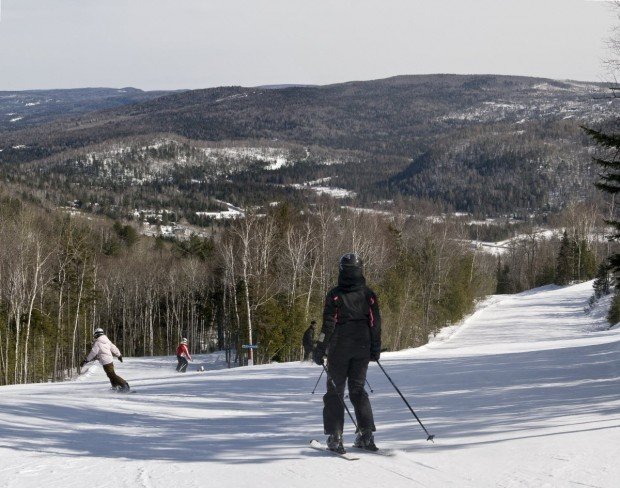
[(430, 437), (329, 378), (317, 381), (369, 387)]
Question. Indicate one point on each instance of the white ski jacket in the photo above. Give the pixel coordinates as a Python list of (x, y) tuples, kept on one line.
[(103, 350)]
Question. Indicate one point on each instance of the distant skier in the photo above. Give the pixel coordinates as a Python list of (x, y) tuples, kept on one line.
[(308, 341), (351, 337), (105, 351), (183, 356)]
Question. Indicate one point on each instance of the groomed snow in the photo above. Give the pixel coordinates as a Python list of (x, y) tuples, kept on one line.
[(272, 158), (526, 393), (223, 215), (333, 192), (502, 247), (231, 212)]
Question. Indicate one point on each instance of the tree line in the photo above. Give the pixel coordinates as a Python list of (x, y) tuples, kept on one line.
[(259, 280), (568, 254)]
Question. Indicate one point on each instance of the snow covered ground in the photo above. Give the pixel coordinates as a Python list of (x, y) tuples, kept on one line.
[(526, 393), (502, 247), (332, 191), (231, 212)]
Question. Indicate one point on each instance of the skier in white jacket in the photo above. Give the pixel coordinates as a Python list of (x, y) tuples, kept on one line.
[(105, 351)]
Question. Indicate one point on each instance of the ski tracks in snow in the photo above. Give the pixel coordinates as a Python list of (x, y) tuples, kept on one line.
[(144, 479)]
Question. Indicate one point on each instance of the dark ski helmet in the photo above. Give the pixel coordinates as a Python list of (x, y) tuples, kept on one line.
[(350, 260), (98, 332)]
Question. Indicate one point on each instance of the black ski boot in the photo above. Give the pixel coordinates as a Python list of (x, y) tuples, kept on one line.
[(334, 443), (365, 440)]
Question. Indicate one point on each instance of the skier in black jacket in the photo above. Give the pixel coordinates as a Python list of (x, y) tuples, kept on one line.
[(308, 341), (351, 337)]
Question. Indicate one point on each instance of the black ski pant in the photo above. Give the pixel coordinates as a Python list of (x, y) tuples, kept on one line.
[(115, 379), (307, 353), (345, 368), (182, 364)]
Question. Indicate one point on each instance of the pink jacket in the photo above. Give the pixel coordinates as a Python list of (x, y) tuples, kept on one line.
[(103, 350)]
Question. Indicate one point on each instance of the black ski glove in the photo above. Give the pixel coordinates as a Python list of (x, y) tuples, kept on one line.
[(83, 363), (120, 358), (318, 355), (375, 355)]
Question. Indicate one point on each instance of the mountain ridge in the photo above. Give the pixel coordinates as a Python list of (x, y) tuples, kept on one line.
[(388, 129)]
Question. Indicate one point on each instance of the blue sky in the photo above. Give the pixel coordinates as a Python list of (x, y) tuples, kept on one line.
[(170, 44)]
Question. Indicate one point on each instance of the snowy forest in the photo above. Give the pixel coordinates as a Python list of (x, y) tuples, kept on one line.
[(257, 280)]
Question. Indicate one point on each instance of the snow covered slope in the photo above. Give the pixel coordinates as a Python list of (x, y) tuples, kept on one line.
[(525, 393)]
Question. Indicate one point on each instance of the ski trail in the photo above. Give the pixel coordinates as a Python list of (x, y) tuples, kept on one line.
[(524, 394), (452, 332)]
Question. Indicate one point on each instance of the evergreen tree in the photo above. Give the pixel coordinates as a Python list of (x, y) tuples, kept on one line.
[(546, 275), (602, 282), (609, 183), (585, 261), (503, 278), (613, 316), (126, 233), (565, 261)]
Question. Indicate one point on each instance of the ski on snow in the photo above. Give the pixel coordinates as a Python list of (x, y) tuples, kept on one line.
[(314, 444), (380, 452)]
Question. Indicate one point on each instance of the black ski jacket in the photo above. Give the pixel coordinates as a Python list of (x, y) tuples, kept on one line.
[(308, 340), (351, 317)]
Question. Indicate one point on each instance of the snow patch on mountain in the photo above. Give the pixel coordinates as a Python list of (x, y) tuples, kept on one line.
[(231, 212), (544, 100), (502, 247), (334, 192), (274, 158), (317, 187), (232, 97)]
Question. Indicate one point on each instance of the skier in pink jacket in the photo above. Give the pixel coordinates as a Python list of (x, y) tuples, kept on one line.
[(105, 351)]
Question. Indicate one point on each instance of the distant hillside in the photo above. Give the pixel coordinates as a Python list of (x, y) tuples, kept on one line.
[(485, 144), (19, 109)]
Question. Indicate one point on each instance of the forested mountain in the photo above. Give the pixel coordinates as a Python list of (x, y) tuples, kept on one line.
[(481, 144), (19, 109), (503, 168)]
